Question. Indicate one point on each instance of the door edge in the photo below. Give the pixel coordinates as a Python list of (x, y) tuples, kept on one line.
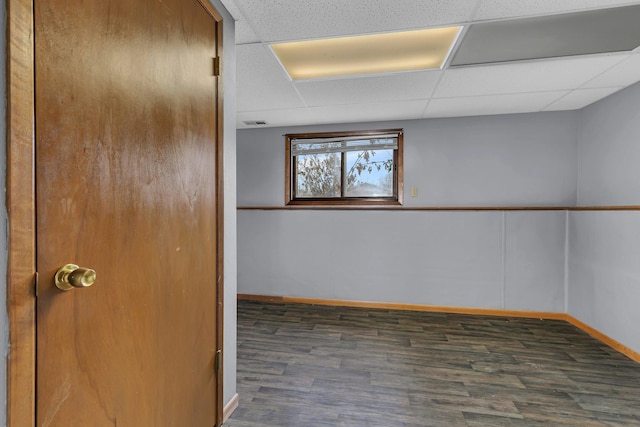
[(20, 200)]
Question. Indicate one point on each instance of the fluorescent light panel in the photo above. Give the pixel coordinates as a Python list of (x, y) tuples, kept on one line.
[(370, 54)]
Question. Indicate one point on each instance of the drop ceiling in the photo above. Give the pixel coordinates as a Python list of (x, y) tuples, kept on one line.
[(500, 65)]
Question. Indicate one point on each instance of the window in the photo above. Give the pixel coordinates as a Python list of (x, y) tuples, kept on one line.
[(345, 168)]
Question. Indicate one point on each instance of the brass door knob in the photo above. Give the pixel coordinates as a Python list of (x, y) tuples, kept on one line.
[(71, 276)]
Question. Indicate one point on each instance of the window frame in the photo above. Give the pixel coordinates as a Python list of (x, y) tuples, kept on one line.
[(291, 175)]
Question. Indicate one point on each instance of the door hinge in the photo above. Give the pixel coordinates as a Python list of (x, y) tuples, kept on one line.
[(217, 361), (216, 66), (35, 282)]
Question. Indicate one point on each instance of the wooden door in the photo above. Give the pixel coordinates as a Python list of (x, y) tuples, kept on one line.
[(126, 126)]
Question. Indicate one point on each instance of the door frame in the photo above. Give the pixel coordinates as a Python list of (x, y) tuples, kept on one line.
[(21, 212)]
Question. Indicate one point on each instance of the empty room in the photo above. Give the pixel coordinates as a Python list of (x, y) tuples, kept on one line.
[(447, 238), (344, 213)]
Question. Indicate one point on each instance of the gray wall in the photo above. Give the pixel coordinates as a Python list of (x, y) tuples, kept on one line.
[(604, 256), (230, 263), (514, 160), (509, 260), (609, 150)]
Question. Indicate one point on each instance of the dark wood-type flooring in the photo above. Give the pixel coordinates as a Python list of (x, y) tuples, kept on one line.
[(307, 365)]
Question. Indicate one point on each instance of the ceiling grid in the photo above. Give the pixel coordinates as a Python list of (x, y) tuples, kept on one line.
[(266, 93)]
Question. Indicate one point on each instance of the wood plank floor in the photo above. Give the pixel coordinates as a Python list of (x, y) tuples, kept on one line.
[(305, 365)]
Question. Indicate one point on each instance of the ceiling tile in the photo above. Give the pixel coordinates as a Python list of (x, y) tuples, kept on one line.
[(278, 20), (244, 33), (233, 9), (580, 98), (265, 92), (395, 87), (400, 110), (262, 84), (496, 9), (525, 76), (582, 33), (624, 73), (287, 117), (491, 104), (257, 62), (256, 97)]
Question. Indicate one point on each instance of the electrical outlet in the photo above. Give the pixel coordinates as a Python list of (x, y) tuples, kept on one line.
[(414, 191)]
